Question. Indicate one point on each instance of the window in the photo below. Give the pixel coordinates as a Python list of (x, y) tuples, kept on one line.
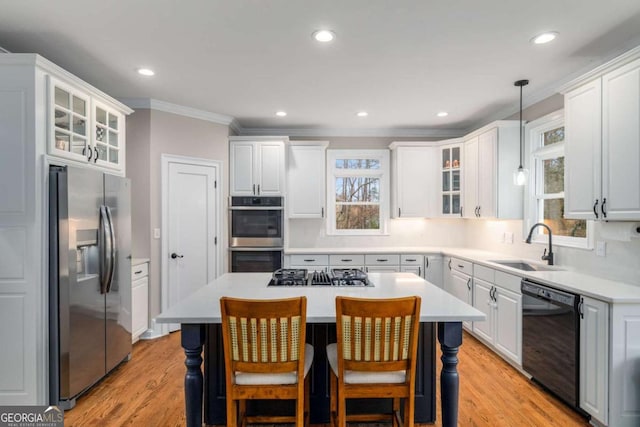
[(358, 191), (546, 201)]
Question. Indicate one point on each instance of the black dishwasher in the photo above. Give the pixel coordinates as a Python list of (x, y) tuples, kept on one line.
[(550, 339)]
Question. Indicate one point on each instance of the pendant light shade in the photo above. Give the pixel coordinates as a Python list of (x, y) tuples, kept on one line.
[(521, 174)]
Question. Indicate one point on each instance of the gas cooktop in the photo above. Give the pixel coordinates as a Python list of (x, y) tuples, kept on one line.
[(335, 277)]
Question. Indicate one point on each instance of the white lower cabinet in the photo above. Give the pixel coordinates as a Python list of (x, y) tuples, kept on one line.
[(384, 263), (433, 270), (311, 262), (497, 295), (139, 299), (594, 358), (462, 289)]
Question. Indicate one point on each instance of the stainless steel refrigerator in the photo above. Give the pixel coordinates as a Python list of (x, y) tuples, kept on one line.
[(89, 279)]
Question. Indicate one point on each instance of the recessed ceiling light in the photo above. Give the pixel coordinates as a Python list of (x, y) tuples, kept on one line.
[(324, 36), (281, 113), (146, 72), (362, 114), (442, 114), (544, 37)]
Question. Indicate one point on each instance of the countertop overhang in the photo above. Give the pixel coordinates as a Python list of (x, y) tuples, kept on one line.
[(203, 306)]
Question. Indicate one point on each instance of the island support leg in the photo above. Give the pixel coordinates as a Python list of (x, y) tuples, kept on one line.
[(192, 336), (450, 338)]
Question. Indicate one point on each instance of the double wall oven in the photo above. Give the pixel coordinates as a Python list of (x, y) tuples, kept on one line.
[(256, 234)]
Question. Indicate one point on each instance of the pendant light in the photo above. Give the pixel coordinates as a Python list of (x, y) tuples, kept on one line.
[(521, 174)]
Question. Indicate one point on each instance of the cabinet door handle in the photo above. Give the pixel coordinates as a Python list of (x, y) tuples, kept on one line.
[(449, 263), (419, 271), (604, 212), (461, 208), (427, 261), (137, 272), (469, 283), (90, 155), (479, 207), (254, 189), (321, 212), (95, 159), (595, 208), (581, 308), (258, 189)]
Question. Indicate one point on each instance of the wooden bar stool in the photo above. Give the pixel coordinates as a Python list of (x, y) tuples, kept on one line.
[(265, 356), (375, 356)]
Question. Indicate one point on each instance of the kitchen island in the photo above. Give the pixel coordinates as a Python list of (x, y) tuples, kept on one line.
[(198, 312)]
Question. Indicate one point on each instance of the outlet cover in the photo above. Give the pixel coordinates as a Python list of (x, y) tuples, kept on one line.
[(508, 237), (156, 233), (601, 248)]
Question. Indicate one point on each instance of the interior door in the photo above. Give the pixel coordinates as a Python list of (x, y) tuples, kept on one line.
[(192, 219)]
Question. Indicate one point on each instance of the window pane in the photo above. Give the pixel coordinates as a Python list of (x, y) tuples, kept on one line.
[(446, 186), (553, 170), (357, 217), (553, 210), (357, 164), (553, 136), (357, 189)]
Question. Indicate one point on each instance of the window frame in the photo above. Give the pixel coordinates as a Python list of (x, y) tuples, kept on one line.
[(382, 174), (536, 155)]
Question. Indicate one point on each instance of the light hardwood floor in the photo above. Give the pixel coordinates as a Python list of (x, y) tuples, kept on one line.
[(147, 391)]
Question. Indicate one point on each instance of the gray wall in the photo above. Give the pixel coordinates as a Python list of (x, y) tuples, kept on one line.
[(150, 134)]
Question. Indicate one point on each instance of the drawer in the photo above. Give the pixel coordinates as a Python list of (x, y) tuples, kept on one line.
[(412, 260), (382, 259), (461, 265), (321, 260), (139, 270), (346, 260), (508, 281), (485, 273)]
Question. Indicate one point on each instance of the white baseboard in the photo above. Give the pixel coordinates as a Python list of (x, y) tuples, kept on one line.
[(155, 331)]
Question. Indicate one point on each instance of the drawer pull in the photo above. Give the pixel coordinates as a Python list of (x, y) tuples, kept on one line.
[(411, 260), (460, 266), (382, 260), (346, 260), (309, 260), (137, 272)]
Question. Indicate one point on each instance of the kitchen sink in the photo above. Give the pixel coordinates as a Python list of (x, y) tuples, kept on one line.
[(525, 266)]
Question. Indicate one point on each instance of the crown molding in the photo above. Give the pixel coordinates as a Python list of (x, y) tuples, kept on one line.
[(355, 132), (168, 107)]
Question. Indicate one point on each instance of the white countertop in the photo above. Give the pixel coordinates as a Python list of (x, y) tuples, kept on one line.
[(561, 277), (203, 306)]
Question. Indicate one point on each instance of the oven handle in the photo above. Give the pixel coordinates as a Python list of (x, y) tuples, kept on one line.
[(255, 208), (263, 249)]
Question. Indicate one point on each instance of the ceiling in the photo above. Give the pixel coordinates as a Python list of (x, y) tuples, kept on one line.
[(401, 61)]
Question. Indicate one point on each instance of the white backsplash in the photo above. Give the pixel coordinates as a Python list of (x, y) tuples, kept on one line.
[(622, 260), (306, 233), (621, 263)]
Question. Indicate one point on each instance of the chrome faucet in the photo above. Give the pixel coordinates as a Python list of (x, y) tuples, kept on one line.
[(545, 256)]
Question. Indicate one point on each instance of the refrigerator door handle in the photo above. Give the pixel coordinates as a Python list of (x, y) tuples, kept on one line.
[(105, 251), (112, 253)]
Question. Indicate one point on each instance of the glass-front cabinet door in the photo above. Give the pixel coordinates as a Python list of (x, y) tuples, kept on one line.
[(451, 175), (107, 135), (69, 122)]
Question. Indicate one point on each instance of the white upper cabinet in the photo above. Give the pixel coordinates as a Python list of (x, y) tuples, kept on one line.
[(602, 125), (491, 154), (306, 167), (451, 168), (257, 166), (84, 127), (413, 170)]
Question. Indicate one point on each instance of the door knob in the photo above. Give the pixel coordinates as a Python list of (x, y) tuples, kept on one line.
[(175, 255)]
